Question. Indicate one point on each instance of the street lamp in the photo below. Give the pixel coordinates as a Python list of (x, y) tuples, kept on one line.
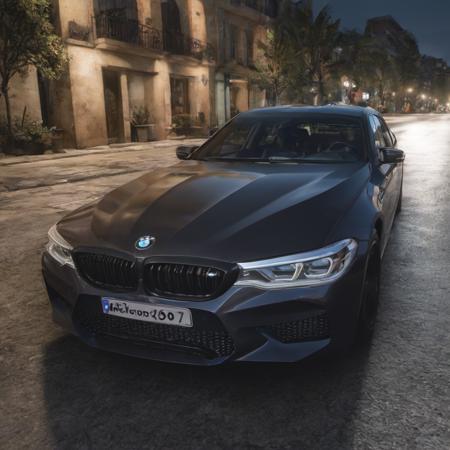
[(410, 90)]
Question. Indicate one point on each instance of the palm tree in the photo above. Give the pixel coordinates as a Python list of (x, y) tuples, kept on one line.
[(314, 40)]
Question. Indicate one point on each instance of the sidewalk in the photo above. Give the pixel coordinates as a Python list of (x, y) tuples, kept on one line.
[(101, 149), (28, 172)]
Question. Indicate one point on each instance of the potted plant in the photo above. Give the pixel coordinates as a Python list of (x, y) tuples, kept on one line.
[(185, 124), (30, 137), (181, 124), (141, 122)]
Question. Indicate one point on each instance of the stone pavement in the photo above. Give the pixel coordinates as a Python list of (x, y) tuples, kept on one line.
[(26, 172)]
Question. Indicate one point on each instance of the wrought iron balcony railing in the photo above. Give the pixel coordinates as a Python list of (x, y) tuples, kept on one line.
[(180, 44), (127, 30), (133, 32)]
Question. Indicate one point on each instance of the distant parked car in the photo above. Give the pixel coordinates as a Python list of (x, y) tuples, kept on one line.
[(264, 244)]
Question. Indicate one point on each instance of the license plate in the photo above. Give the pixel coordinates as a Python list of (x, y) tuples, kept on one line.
[(147, 312)]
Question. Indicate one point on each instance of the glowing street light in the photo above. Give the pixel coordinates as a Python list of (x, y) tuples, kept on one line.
[(409, 90), (423, 96)]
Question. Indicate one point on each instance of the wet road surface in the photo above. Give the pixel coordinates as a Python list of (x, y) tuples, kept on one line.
[(55, 392)]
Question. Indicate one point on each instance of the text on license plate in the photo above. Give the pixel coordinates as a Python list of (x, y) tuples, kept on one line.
[(147, 312)]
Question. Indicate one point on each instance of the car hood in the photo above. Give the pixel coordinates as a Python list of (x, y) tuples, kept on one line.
[(222, 210)]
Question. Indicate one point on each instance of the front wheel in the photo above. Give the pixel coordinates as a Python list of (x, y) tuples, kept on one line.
[(371, 294)]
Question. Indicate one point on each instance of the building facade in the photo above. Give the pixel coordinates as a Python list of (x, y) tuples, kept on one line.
[(435, 78), (172, 58), (239, 26)]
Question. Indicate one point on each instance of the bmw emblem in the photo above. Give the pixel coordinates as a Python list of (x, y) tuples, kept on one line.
[(144, 242)]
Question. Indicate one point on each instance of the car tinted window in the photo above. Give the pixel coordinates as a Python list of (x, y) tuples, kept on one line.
[(380, 140), (286, 137), (388, 140)]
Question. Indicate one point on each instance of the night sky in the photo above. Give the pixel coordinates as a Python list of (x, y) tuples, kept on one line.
[(428, 20)]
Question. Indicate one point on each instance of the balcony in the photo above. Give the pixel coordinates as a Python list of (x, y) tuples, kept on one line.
[(180, 44), (129, 31), (132, 32)]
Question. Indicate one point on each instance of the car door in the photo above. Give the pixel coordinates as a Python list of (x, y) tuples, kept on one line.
[(388, 195)]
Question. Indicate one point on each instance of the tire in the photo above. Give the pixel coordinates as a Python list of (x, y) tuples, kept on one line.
[(371, 294)]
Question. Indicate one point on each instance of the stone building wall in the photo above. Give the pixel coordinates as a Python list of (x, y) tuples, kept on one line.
[(23, 93), (112, 73)]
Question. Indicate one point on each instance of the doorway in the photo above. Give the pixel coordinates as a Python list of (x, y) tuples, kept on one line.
[(113, 106), (179, 94)]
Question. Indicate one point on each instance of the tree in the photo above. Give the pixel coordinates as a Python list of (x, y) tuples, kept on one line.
[(314, 40), (271, 68), (27, 38), (408, 60), (274, 59), (369, 64)]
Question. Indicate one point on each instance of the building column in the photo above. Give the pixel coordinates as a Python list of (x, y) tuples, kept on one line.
[(125, 107)]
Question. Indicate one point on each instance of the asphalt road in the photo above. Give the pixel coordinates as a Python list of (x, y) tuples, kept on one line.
[(55, 392)]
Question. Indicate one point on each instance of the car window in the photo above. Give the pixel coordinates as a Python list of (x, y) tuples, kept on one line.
[(237, 139), (380, 141), (388, 140), (291, 137)]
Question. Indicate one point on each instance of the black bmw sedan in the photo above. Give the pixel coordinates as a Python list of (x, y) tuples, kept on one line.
[(263, 244)]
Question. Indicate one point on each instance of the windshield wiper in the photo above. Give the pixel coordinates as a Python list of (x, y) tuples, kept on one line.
[(218, 158), (273, 159), (285, 159)]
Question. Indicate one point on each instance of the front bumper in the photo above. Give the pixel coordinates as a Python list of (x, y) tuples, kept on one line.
[(243, 324)]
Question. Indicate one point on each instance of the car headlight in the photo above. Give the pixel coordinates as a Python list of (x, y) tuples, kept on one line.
[(304, 269), (59, 248)]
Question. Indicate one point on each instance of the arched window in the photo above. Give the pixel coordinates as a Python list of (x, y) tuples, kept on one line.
[(173, 38), (125, 9), (117, 19), (171, 16)]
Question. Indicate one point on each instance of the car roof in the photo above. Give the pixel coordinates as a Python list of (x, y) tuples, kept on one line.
[(329, 110)]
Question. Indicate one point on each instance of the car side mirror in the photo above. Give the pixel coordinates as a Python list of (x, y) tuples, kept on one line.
[(185, 151), (392, 155)]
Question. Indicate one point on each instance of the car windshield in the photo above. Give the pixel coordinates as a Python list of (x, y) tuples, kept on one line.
[(285, 138)]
